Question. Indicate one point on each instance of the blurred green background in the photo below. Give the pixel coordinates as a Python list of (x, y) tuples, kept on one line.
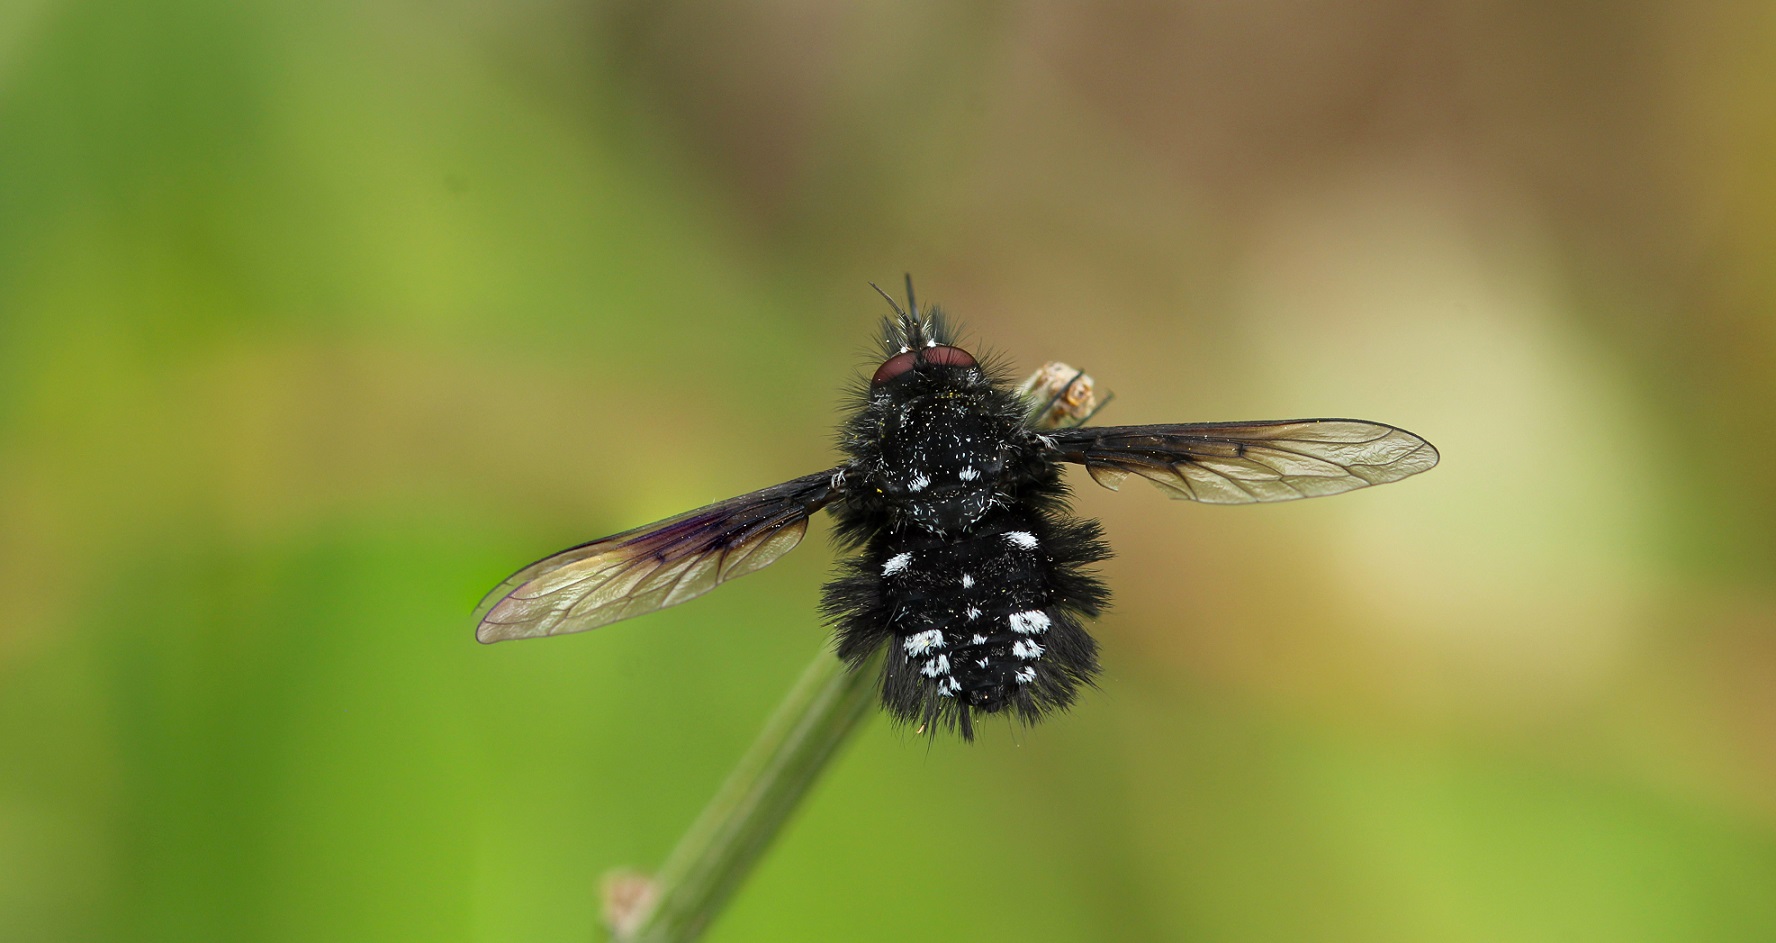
[(317, 319)]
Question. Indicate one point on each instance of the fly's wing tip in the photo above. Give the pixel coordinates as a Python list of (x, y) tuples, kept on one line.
[(488, 631), (1431, 457), (1420, 457), (508, 614)]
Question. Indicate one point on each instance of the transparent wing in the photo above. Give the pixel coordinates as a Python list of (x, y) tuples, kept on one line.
[(652, 567), (1249, 462)]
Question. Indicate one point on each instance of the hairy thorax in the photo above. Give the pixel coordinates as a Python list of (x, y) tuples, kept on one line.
[(941, 461)]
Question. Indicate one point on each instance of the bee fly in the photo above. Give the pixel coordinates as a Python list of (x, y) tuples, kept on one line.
[(963, 556)]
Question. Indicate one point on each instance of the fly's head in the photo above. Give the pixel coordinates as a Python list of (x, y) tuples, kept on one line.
[(938, 449)]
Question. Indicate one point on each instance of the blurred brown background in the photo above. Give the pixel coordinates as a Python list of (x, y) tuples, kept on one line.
[(316, 319)]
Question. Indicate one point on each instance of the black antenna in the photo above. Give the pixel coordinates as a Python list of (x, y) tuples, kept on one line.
[(886, 297), (911, 305)]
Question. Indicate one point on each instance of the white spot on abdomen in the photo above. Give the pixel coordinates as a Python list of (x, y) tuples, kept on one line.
[(1021, 538), (896, 563), (919, 482), (1030, 622), (972, 613), (967, 581), (923, 642), (1023, 648), (936, 666), (1025, 675), (968, 474)]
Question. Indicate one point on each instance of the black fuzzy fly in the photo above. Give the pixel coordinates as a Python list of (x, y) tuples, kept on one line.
[(963, 557)]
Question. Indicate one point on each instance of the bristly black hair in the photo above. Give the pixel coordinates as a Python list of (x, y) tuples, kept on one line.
[(912, 332), (910, 328)]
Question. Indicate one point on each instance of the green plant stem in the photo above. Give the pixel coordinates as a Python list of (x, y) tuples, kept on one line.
[(721, 847)]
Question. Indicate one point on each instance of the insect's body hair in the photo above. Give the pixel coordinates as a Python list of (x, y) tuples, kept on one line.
[(965, 559)]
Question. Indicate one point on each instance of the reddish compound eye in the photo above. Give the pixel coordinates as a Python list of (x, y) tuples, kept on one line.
[(894, 366), (902, 362), (949, 356)]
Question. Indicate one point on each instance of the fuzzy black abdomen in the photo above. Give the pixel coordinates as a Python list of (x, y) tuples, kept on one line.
[(977, 622)]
